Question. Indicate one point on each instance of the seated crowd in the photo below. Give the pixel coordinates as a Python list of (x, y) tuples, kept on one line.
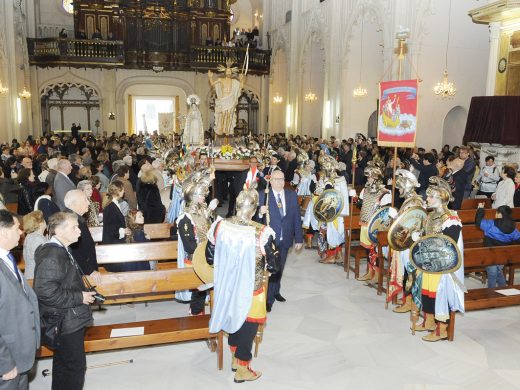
[(65, 185)]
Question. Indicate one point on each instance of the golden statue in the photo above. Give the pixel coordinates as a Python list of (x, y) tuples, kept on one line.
[(228, 90)]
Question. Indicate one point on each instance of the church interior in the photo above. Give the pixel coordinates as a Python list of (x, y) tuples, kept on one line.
[(298, 70)]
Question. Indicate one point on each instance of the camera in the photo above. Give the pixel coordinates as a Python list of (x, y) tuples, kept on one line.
[(99, 298)]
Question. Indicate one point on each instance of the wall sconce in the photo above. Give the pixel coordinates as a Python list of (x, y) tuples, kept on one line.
[(111, 116)]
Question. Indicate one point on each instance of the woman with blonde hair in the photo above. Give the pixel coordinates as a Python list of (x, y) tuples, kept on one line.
[(34, 227), (149, 198)]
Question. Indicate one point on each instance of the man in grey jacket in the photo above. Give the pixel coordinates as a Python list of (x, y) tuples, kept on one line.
[(19, 317), (62, 183)]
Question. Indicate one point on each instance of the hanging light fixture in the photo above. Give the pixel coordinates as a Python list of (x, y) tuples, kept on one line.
[(3, 90), (446, 89), (310, 97), (277, 99), (25, 94), (360, 92)]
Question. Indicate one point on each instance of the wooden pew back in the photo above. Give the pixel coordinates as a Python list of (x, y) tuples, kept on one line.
[(472, 204), (468, 216), (123, 253), (156, 231)]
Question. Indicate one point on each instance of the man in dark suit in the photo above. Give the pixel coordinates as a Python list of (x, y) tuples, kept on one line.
[(285, 220), (19, 316), (248, 176), (274, 164)]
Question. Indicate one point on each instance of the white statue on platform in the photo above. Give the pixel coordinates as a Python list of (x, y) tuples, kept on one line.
[(193, 127), (228, 91)]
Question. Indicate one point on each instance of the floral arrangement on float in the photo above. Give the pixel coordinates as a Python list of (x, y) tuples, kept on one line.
[(227, 152)]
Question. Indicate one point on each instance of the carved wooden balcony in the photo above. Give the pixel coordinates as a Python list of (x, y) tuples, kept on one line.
[(84, 53), (51, 52)]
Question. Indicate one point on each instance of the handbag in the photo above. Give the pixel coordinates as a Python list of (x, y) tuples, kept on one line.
[(51, 324)]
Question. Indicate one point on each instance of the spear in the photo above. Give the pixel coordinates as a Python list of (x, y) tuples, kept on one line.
[(354, 161)]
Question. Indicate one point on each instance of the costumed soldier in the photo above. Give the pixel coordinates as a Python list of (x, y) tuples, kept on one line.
[(192, 226), (372, 197), (305, 181), (402, 270), (441, 292), (240, 250), (331, 234)]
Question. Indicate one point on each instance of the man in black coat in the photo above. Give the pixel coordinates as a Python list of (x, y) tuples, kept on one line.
[(83, 250), (59, 287), (427, 168)]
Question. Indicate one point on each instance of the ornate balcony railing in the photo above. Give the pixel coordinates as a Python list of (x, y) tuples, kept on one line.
[(49, 52), (75, 52), (208, 57)]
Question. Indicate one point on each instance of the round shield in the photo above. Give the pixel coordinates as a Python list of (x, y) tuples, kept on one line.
[(400, 231), (328, 206), (436, 254), (380, 221), (201, 267)]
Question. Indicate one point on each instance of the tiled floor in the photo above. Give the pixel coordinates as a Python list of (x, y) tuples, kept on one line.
[(332, 333)]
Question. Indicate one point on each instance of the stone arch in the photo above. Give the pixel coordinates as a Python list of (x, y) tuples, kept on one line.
[(372, 125), (163, 80), (72, 79), (454, 125)]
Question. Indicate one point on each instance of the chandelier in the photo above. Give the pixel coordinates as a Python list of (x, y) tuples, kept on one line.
[(3, 90), (277, 99), (310, 97), (360, 92), (25, 94), (446, 89)]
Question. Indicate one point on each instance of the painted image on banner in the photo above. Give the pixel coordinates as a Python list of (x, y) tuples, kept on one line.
[(397, 121)]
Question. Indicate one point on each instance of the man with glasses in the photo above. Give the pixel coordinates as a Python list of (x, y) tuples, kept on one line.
[(285, 219)]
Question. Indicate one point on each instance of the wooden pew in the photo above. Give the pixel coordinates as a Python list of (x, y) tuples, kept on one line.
[(156, 231), (357, 251), (478, 258), (150, 283), (122, 253), (472, 204), (468, 216), (12, 207)]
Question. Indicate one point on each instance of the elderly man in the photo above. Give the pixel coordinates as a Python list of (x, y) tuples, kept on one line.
[(83, 250), (285, 220), (19, 317), (27, 162), (158, 167), (62, 182)]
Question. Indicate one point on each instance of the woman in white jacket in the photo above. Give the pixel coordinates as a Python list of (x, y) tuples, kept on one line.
[(505, 192)]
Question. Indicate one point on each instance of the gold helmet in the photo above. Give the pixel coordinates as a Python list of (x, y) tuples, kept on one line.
[(328, 165), (374, 170), (196, 185), (440, 188), (405, 181), (247, 203)]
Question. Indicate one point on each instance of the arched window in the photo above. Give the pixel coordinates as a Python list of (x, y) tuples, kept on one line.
[(67, 6)]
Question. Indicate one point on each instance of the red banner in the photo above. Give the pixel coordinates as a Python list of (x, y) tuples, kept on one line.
[(397, 119)]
